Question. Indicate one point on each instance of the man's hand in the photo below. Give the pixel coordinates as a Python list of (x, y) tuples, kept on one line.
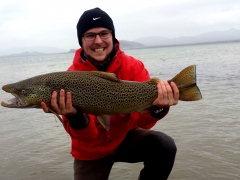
[(168, 94), (63, 107)]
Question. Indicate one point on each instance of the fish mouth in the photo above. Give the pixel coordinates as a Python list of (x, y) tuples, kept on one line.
[(15, 102)]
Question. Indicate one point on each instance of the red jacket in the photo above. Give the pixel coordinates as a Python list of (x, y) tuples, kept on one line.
[(94, 141)]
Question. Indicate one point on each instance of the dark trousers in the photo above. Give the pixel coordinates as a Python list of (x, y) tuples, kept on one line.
[(155, 149)]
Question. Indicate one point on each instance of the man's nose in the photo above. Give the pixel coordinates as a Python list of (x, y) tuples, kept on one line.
[(98, 39)]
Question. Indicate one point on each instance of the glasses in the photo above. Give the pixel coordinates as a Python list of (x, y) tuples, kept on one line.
[(92, 36)]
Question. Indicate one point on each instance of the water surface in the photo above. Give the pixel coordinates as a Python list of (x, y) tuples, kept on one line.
[(34, 145)]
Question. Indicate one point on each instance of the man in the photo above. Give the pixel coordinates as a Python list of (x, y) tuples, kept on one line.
[(129, 139)]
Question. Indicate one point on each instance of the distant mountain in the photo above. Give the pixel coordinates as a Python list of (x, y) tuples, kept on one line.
[(210, 37), (217, 36), (37, 50), (130, 44), (33, 49), (34, 53), (124, 45), (72, 51)]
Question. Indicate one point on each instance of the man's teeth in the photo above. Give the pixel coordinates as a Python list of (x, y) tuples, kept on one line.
[(99, 50)]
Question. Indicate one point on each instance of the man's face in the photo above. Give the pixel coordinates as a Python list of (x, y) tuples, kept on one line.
[(98, 48)]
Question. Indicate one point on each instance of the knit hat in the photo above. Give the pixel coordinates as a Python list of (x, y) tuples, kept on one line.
[(94, 18)]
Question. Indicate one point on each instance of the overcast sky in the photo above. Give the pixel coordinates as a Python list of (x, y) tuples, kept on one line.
[(25, 23)]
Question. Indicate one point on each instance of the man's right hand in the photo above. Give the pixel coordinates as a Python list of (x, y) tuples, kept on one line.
[(63, 107)]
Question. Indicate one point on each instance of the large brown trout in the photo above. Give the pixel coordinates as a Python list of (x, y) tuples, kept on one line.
[(98, 93)]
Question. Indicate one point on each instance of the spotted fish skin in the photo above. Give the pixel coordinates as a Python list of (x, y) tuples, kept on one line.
[(92, 92), (98, 93)]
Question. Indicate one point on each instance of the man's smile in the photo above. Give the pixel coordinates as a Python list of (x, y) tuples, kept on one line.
[(99, 50)]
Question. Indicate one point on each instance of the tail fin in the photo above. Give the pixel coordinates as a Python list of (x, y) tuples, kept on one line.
[(187, 85)]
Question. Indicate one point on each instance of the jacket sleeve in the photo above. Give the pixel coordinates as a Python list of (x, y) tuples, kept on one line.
[(139, 72), (145, 120), (87, 133), (75, 64)]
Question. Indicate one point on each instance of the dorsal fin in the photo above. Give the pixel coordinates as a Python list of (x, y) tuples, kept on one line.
[(153, 81), (105, 75)]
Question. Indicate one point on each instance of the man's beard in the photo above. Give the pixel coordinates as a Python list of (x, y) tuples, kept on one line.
[(99, 63)]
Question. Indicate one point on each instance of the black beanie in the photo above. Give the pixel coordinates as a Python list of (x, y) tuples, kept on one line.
[(94, 18)]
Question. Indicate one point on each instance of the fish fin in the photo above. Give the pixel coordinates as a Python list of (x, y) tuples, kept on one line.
[(153, 81), (52, 111), (191, 94), (105, 121), (106, 75), (187, 85)]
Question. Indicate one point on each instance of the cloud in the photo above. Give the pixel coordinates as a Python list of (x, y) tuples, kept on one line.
[(53, 23)]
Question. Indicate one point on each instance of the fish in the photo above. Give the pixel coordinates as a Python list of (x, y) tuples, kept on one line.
[(98, 93)]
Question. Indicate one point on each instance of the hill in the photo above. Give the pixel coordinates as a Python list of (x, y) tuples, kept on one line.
[(33, 50), (124, 45), (217, 36), (27, 53), (130, 44), (209, 37)]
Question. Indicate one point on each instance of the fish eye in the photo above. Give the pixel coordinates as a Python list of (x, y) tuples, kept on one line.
[(23, 91)]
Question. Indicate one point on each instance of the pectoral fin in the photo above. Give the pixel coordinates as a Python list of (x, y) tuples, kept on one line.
[(105, 121)]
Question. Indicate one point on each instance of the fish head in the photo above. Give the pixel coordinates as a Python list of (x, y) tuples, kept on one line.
[(26, 94)]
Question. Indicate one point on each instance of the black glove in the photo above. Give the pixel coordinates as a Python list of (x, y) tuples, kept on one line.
[(159, 113)]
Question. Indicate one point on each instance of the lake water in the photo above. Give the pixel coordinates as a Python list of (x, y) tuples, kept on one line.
[(34, 145)]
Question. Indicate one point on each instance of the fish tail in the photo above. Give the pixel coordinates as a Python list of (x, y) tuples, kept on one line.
[(187, 85)]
